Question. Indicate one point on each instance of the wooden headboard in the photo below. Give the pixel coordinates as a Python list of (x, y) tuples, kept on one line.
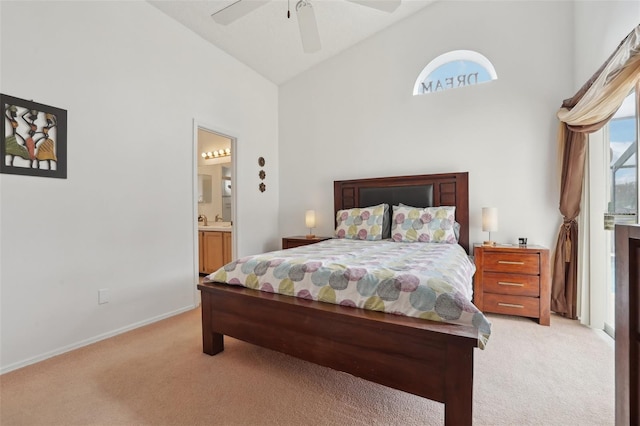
[(445, 189)]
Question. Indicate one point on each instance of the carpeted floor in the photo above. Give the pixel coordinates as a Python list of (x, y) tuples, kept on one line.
[(528, 375)]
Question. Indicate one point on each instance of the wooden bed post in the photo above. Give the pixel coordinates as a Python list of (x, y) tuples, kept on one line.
[(627, 344), (212, 343), (458, 406)]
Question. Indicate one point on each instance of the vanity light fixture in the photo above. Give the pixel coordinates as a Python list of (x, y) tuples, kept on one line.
[(216, 154)]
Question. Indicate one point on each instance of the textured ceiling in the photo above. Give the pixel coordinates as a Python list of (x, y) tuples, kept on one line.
[(269, 43)]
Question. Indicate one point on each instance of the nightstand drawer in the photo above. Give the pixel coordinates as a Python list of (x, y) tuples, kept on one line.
[(512, 305), (301, 240), (521, 263), (299, 243), (514, 284)]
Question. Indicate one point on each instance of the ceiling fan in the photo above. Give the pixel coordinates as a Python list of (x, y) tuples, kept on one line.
[(306, 16)]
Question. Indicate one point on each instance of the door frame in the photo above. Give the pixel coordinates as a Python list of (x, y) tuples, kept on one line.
[(595, 192), (199, 124)]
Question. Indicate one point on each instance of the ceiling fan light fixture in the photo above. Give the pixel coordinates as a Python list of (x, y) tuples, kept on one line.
[(308, 26), (228, 11)]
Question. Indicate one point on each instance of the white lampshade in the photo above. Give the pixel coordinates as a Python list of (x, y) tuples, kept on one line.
[(310, 218), (489, 219)]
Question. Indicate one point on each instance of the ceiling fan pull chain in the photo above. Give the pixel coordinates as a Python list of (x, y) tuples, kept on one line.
[(288, 10)]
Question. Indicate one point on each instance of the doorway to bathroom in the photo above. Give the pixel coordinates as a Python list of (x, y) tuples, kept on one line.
[(215, 190), (214, 199)]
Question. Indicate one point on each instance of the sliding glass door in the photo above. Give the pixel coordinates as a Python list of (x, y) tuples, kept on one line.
[(621, 135)]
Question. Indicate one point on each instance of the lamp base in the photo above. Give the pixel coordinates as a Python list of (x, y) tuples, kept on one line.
[(489, 243), (310, 237)]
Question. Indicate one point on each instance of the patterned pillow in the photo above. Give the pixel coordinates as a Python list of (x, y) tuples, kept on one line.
[(361, 223), (456, 225), (428, 225)]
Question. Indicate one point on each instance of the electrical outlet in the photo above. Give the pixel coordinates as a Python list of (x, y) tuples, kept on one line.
[(103, 296)]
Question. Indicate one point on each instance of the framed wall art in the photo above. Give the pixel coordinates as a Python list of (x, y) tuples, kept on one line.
[(34, 138)]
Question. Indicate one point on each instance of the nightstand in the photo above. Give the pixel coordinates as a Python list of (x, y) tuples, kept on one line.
[(513, 280), (301, 240)]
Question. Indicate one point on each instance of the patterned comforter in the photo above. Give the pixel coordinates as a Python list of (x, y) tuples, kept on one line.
[(423, 280)]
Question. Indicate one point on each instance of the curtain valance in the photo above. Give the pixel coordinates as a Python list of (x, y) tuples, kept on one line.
[(586, 112)]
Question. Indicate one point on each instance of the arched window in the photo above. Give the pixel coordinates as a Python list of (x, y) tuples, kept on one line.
[(458, 68)]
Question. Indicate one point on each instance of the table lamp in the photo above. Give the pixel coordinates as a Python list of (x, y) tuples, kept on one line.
[(310, 221), (489, 223)]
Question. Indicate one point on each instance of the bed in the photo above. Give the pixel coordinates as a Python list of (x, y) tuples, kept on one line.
[(427, 358)]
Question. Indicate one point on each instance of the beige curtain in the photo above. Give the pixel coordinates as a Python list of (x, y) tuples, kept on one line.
[(586, 112)]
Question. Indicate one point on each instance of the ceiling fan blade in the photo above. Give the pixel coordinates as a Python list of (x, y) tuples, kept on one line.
[(383, 5), (308, 27), (236, 10)]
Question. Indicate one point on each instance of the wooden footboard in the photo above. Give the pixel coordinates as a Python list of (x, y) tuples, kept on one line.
[(429, 359)]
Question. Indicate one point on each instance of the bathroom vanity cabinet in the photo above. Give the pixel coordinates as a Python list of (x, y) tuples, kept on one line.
[(215, 250)]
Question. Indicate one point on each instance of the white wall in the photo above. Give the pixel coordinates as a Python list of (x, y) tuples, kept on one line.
[(132, 81), (354, 116), (600, 26)]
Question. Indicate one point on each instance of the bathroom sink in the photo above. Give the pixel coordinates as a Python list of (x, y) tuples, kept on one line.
[(219, 226)]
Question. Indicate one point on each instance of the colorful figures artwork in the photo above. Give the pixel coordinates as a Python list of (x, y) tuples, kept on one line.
[(24, 140)]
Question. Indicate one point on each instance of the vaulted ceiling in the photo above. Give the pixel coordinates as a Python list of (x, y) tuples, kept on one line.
[(269, 42)]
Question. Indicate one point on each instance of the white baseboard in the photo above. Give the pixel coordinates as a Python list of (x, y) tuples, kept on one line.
[(609, 330), (68, 348)]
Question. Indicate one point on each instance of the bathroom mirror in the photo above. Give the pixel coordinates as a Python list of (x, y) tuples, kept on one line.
[(204, 188), (215, 192), (226, 190)]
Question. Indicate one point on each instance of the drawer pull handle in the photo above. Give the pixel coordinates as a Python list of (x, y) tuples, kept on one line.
[(511, 284), (508, 262), (510, 305)]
